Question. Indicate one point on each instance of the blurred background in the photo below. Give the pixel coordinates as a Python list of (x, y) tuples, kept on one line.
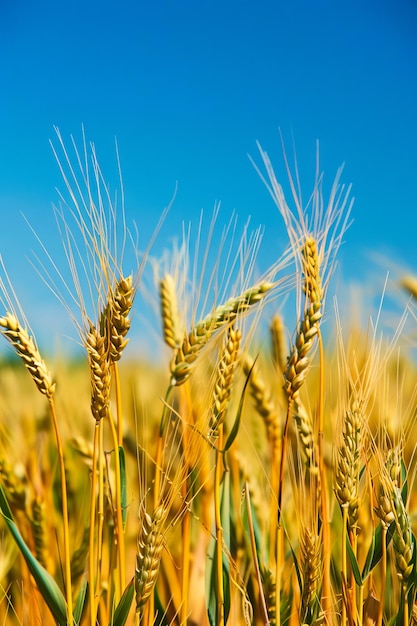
[(187, 88)]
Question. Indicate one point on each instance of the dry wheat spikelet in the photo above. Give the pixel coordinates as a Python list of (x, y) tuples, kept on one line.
[(169, 312), (99, 373), (150, 546), (264, 404), (197, 339), (311, 570), (224, 377), (347, 465), (114, 321), (26, 348)]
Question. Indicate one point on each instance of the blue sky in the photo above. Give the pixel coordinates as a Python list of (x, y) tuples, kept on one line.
[(187, 88)]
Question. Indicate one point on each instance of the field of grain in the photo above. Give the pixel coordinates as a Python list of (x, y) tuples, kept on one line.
[(235, 480)]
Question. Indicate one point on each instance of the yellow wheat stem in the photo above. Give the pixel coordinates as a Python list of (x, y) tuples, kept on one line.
[(344, 562), (118, 511), (100, 509), (326, 593), (68, 585), (219, 530), (185, 560), (92, 545), (279, 559), (383, 574)]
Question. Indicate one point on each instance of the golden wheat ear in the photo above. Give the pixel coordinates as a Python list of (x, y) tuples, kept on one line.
[(99, 373), (194, 341), (150, 546), (27, 350)]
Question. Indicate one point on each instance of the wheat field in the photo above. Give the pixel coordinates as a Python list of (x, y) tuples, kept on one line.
[(260, 471)]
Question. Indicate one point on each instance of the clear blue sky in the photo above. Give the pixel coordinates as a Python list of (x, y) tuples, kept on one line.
[(187, 87)]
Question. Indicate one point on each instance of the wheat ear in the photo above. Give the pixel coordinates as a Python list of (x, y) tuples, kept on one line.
[(311, 565), (100, 376), (169, 312), (279, 343), (16, 490), (114, 320), (224, 378), (347, 466), (402, 538), (264, 403), (26, 348), (304, 425), (197, 339), (150, 546)]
